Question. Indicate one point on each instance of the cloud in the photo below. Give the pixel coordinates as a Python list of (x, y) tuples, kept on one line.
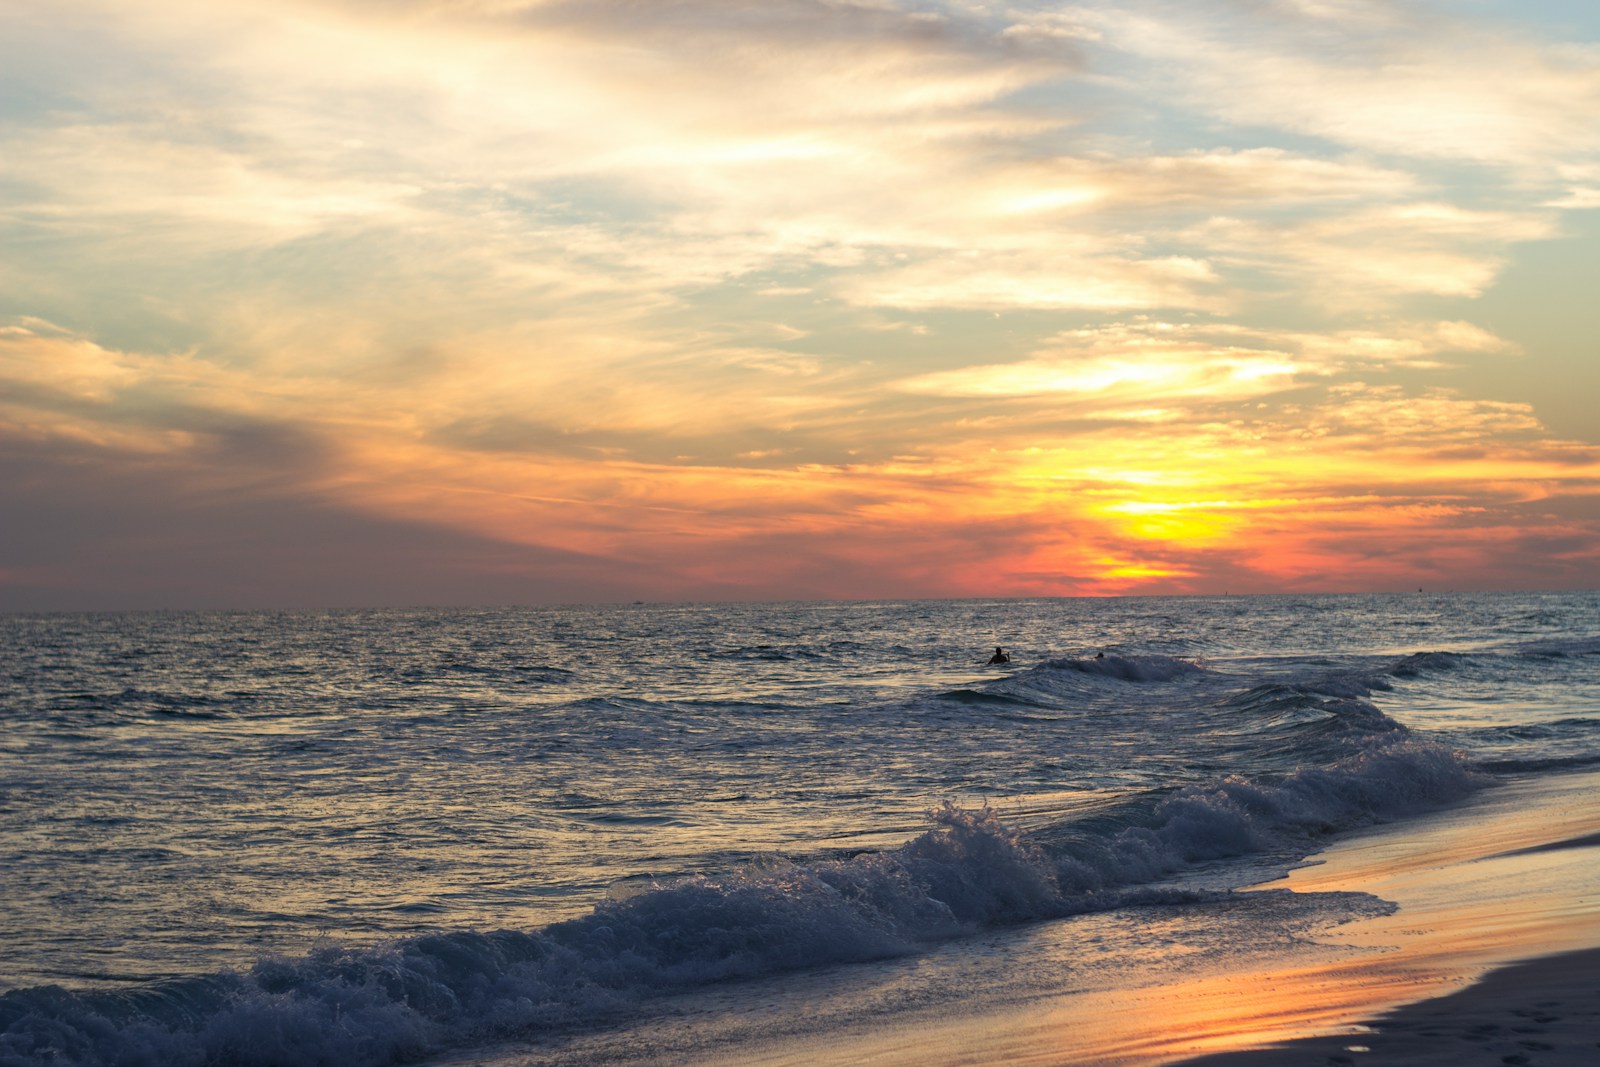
[(533, 154), (1398, 78), (1374, 258), (91, 531), (945, 490), (691, 286), (1037, 279), (1186, 364), (1123, 365)]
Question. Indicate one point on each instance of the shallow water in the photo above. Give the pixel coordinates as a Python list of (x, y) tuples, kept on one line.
[(219, 825)]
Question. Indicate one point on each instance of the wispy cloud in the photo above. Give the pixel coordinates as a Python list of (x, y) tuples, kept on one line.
[(1145, 295), (1402, 78)]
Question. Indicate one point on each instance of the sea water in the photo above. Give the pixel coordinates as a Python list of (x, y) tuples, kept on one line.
[(372, 837)]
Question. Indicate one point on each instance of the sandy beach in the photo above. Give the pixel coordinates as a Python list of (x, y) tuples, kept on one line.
[(1517, 876)]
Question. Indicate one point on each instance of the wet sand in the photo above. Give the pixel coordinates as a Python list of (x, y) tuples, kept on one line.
[(1490, 902), (1541, 1012)]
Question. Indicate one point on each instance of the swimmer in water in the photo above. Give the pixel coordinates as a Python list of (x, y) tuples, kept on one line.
[(999, 656)]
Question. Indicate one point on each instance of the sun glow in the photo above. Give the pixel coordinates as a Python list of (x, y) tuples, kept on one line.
[(1189, 523), (821, 300)]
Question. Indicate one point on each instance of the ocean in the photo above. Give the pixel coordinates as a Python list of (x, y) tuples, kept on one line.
[(549, 834)]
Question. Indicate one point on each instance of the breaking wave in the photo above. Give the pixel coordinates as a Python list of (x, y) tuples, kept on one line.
[(397, 1002)]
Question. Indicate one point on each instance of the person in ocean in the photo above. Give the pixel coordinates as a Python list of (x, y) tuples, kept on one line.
[(999, 656)]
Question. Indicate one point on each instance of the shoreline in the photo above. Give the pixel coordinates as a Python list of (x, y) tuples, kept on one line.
[(1540, 1011), (1494, 898), (1498, 922), (1490, 897)]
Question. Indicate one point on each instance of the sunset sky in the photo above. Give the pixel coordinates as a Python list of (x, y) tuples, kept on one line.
[(385, 302)]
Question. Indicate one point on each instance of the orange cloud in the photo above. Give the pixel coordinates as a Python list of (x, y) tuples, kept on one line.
[(795, 299), (1369, 484)]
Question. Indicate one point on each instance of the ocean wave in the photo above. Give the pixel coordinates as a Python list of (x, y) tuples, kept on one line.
[(1127, 668), (981, 696), (1561, 648), (1426, 662), (364, 1007), (146, 702), (1068, 684), (1539, 731), (1316, 723), (1538, 764)]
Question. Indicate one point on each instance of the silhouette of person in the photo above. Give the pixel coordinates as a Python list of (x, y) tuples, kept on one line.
[(999, 656)]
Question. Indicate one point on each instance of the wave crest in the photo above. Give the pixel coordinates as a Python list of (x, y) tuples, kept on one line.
[(1128, 668)]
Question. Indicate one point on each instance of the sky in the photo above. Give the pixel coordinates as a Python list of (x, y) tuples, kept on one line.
[(326, 303)]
